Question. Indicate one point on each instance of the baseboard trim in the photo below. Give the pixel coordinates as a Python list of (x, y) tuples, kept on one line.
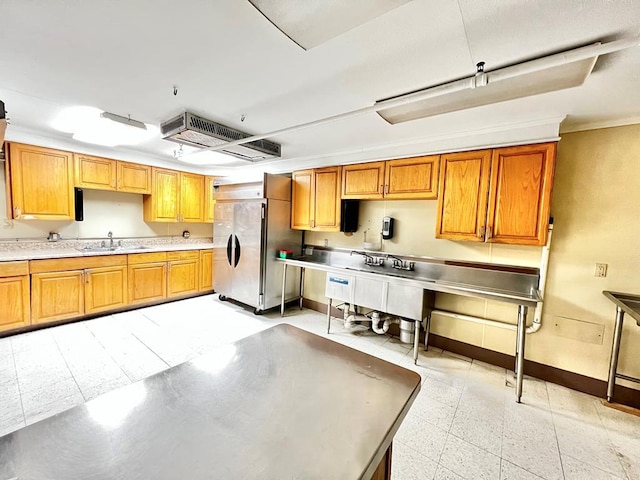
[(575, 381)]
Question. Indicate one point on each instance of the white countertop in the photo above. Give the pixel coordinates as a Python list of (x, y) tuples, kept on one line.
[(60, 251)]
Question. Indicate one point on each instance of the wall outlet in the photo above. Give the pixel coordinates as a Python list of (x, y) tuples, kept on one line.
[(601, 270)]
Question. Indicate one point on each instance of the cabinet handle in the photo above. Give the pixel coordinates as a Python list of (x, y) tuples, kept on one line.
[(312, 223), (381, 190), (386, 189), (481, 232), (489, 233), (17, 212)]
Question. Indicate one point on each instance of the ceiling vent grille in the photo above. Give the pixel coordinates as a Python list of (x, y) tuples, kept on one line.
[(189, 129)]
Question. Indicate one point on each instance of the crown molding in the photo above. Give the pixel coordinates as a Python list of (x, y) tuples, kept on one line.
[(598, 124)]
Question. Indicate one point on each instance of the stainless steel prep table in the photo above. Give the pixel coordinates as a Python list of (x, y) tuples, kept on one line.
[(280, 404), (446, 277), (625, 303)]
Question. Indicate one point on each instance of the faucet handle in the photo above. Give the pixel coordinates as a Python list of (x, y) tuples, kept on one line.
[(110, 234)]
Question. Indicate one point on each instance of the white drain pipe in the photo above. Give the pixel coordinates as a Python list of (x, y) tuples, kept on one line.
[(537, 319)]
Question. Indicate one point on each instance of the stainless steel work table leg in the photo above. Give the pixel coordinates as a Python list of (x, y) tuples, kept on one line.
[(302, 270), (284, 284), (615, 352), (328, 316), (522, 315), (416, 342)]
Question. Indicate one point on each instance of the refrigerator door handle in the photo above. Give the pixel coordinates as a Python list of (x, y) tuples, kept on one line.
[(237, 256), (229, 250)]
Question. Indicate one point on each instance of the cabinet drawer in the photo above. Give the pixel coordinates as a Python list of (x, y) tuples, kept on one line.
[(183, 255), (14, 269), (136, 258), (76, 263)]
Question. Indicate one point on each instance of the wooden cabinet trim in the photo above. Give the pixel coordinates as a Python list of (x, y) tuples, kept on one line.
[(183, 255), (137, 258), (14, 269), (76, 263)]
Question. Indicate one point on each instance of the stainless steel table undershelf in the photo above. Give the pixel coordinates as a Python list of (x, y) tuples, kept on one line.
[(280, 404), (445, 277), (625, 303)]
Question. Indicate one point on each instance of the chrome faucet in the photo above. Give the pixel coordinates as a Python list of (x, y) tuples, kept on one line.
[(366, 256), (110, 235)]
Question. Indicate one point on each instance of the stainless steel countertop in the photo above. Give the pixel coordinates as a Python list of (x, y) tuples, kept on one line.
[(628, 302), (280, 404), (459, 280)]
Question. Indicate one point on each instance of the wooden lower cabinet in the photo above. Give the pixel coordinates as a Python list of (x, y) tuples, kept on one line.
[(15, 311), (206, 270), (57, 295), (182, 273), (105, 289), (147, 282)]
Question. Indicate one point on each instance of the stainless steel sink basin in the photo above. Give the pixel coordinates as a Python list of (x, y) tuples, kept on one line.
[(91, 249), (628, 302)]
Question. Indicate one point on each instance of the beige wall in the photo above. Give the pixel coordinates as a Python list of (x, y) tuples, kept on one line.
[(118, 212), (596, 206)]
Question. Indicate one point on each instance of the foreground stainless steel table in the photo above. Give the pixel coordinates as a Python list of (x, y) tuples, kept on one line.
[(280, 404), (625, 303)]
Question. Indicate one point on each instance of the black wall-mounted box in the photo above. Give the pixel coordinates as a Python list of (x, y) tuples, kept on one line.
[(79, 202), (349, 215)]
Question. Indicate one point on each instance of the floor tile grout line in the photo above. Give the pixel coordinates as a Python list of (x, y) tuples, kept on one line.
[(613, 447), (115, 360), (67, 364), (15, 369)]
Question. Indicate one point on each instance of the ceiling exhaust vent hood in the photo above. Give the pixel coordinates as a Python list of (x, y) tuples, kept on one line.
[(189, 129)]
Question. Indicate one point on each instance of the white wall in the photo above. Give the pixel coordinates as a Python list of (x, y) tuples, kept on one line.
[(596, 206)]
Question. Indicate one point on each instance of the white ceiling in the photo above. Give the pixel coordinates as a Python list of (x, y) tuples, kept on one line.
[(228, 60)]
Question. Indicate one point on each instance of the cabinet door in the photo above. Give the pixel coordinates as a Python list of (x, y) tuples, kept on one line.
[(363, 181), (105, 288), (412, 177), (41, 182), (57, 295), (147, 282), (206, 270), (462, 203), (209, 202), (182, 277), (520, 194), (162, 205), (301, 185), (14, 308), (191, 197), (326, 201), (134, 178), (95, 172)]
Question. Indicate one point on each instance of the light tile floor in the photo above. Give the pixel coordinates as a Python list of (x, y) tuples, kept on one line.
[(464, 424)]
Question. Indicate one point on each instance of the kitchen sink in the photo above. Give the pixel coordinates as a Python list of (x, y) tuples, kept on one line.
[(91, 249)]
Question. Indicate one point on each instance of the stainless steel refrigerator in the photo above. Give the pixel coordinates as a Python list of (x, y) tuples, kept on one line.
[(251, 225)]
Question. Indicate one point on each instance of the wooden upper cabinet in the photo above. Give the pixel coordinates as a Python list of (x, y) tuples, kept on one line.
[(404, 178), (462, 203), (520, 194), (326, 199), (315, 203), (41, 182), (301, 193), (363, 181), (191, 198), (415, 178), (175, 197), (499, 196), (134, 178), (94, 172), (163, 203), (209, 202)]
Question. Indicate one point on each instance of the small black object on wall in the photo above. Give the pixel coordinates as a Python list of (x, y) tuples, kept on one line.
[(79, 204), (349, 215), (387, 228)]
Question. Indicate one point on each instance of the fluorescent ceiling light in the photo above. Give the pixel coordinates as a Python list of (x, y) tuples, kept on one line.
[(494, 88), (92, 125), (310, 23)]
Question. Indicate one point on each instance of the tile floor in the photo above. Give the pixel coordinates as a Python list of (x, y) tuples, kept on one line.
[(464, 424)]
